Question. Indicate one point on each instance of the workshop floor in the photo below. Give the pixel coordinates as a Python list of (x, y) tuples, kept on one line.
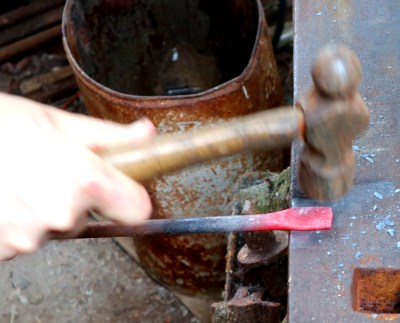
[(83, 281)]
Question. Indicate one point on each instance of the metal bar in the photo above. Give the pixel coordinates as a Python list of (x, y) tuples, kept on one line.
[(27, 11), (311, 218), (29, 43), (340, 270), (30, 26)]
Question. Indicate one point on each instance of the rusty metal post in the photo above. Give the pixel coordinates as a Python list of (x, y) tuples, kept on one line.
[(350, 274)]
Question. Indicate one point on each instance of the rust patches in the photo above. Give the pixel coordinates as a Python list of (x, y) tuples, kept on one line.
[(247, 306), (376, 291), (192, 265), (373, 259), (120, 89)]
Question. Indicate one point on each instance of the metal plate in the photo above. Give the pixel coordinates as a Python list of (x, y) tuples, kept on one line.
[(323, 287)]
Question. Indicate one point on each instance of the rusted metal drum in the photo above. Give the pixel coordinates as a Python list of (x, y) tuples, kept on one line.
[(183, 64)]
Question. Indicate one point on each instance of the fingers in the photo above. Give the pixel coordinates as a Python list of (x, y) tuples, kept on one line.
[(51, 177), (111, 193), (115, 196), (81, 129), (7, 253), (24, 223), (19, 232), (85, 182), (97, 133)]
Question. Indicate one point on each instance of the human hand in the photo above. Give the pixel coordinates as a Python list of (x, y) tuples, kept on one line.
[(50, 177)]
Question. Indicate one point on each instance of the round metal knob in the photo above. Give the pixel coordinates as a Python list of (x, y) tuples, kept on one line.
[(336, 71)]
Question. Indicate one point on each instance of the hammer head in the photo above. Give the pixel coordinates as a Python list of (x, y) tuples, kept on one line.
[(334, 115)]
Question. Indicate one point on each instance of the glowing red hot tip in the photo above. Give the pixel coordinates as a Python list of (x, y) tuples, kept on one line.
[(299, 219)]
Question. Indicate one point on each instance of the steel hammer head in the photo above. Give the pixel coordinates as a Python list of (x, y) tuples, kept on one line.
[(334, 115)]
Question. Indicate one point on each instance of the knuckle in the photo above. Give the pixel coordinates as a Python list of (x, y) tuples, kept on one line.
[(16, 242), (147, 206), (91, 185), (63, 223), (7, 252), (27, 246), (143, 205)]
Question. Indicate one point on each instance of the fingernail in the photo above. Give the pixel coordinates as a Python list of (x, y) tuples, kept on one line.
[(7, 253)]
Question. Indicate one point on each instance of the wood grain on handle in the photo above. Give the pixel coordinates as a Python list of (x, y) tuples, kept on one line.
[(164, 154)]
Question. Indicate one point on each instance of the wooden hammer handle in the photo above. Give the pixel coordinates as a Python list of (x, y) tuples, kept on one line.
[(164, 154)]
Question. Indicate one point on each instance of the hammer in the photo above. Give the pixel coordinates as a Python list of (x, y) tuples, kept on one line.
[(328, 118)]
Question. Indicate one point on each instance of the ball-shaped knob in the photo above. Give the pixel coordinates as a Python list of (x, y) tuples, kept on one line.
[(336, 71)]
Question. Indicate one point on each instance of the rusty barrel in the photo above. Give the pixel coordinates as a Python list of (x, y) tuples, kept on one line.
[(183, 64)]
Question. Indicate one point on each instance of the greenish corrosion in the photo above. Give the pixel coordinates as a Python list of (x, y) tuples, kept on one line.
[(258, 192), (270, 194)]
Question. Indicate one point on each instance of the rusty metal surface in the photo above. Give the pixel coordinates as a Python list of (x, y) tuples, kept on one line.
[(247, 306), (327, 269), (192, 265), (246, 277)]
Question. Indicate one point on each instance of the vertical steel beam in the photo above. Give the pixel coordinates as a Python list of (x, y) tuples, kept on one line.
[(349, 274)]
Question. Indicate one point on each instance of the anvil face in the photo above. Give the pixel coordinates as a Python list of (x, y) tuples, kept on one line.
[(351, 273)]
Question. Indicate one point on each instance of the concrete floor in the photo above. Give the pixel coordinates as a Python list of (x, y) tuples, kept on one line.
[(83, 281)]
